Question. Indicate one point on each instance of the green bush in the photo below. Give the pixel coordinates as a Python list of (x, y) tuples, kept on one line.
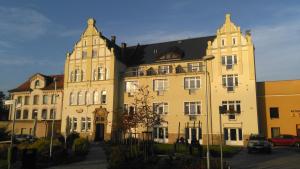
[(80, 146), (71, 138), (3, 164), (3, 151), (116, 157)]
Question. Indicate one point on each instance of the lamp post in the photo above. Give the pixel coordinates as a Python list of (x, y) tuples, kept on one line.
[(207, 58), (221, 111), (53, 117)]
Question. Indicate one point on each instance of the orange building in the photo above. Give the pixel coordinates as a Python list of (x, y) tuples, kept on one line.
[(279, 107)]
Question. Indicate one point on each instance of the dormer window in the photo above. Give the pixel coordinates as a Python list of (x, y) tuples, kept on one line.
[(36, 84), (164, 69)]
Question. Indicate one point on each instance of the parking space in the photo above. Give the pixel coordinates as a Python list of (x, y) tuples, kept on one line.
[(280, 158)]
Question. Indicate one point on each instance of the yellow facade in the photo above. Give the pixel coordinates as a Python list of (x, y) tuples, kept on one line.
[(33, 98), (187, 89), (282, 98)]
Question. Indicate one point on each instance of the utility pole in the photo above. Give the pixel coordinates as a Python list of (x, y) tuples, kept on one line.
[(53, 117)]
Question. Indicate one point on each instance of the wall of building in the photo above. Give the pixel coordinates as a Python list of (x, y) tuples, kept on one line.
[(285, 96)]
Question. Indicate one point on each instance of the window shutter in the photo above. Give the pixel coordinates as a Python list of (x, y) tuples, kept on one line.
[(186, 109), (238, 108), (187, 133), (186, 83), (235, 59), (199, 133), (225, 133), (224, 81), (236, 80), (240, 134)]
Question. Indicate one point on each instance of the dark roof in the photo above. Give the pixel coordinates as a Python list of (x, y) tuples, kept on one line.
[(194, 48), (49, 83)]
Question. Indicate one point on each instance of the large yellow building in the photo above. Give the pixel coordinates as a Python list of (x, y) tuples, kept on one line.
[(279, 107), (100, 79), (37, 106)]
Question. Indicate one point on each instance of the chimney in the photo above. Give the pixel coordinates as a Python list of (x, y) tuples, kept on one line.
[(123, 45), (113, 39)]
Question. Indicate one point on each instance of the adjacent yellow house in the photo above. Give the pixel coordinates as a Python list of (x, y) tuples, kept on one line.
[(189, 79), (37, 106), (279, 107)]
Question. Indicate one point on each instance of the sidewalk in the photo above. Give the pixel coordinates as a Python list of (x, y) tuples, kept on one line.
[(95, 159)]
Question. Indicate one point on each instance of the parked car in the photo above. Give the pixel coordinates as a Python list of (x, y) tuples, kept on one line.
[(25, 137), (285, 140), (258, 143)]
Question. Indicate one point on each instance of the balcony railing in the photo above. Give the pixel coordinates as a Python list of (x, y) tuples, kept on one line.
[(171, 70)]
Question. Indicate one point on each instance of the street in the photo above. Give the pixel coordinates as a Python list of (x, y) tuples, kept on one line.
[(280, 158)]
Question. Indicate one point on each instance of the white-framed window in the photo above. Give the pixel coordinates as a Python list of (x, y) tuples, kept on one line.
[(193, 133), (230, 81), (89, 123), (191, 82), (234, 41), (19, 100), (160, 84), (129, 109), (74, 126), (99, 73), (233, 134), (103, 97), (78, 76), (36, 99), (44, 114), (73, 100), (53, 99), (164, 69), (26, 100), (25, 114), (232, 108), (96, 97), (34, 114), (83, 123), (192, 108), (88, 98), (160, 133), (223, 42), (45, 99), (229, 61), (52, 114), (94, 53), (84, 54), (194, 67), (161, 108), (81, 99), (131, 86), (18, 114), (37, 84)]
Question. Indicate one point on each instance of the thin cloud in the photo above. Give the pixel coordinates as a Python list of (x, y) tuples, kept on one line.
[(20, 24), (277, 50)]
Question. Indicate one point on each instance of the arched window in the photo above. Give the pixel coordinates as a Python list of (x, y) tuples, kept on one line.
[(81, 99), (100, 73), (96, 97), (103, 97), (44, 114), (34, 114), (52, 114), (37, 84), (88, 98), (25, 114), (77, 75), (73, 98)]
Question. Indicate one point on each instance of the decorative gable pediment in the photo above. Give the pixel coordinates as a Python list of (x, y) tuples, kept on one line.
[(37, 81)]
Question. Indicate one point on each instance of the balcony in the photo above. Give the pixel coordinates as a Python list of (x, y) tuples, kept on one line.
[(157, 71)]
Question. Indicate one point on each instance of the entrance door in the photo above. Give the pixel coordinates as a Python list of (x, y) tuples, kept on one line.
[(99, 136), (233, 136)]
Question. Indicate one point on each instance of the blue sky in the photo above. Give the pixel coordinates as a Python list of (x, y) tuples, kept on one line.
[(36, 34)]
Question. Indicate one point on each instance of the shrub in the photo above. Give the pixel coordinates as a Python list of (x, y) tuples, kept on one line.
[(80, 146), (70, 139), (3, 151), (116, 157)]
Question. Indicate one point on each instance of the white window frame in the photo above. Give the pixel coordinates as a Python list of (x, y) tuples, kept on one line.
[(83, 124), (196, 103), (225, 60), (164, 69), (188, 81), (131, 86), (73, 100), (194, 67), (163, 82), (225, 81), (157, 106), (103, 98), (96, 97)]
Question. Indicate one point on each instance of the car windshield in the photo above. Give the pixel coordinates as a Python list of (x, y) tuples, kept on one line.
[(257, 137)]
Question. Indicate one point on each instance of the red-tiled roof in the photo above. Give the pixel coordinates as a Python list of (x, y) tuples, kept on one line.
[(49, 84)]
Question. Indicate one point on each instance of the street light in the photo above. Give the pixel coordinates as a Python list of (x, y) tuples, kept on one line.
[(53, 117), (207, 58)]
